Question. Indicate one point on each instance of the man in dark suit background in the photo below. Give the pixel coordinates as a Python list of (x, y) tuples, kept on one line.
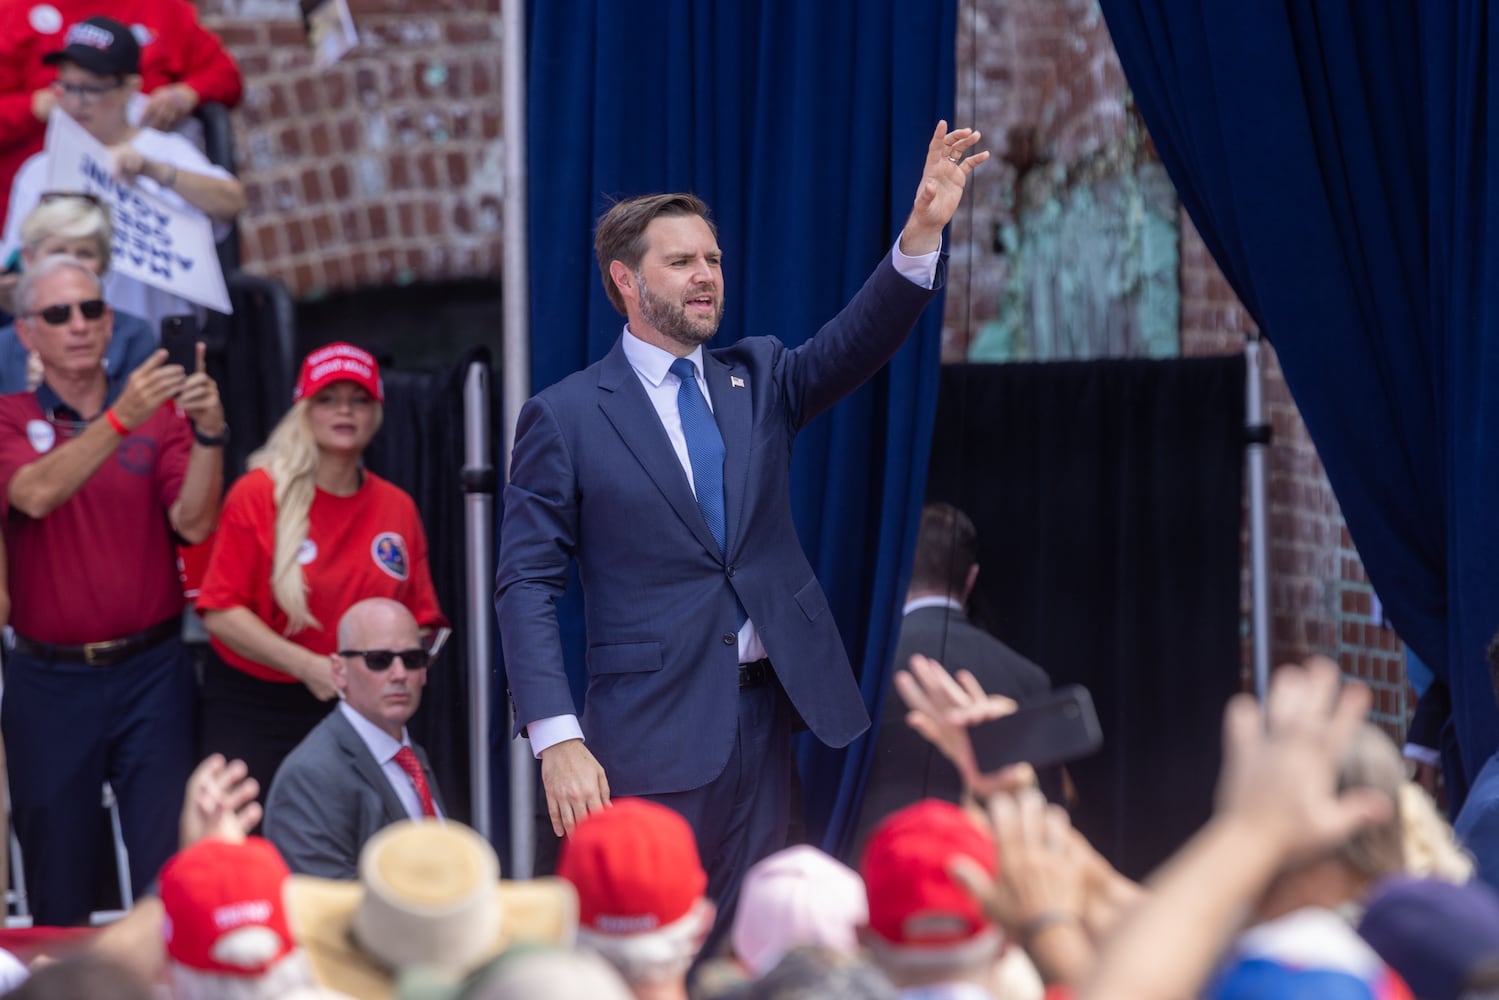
[(357, 772), (906, 768), (663, 470)]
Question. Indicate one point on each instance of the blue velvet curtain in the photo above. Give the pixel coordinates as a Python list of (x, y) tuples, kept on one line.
[(1334, 156), (804, 127)]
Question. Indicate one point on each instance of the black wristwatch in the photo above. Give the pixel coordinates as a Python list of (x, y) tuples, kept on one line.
[(211, 441)]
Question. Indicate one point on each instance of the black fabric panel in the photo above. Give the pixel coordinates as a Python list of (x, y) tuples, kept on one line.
[(420, 449), (1107, 497)]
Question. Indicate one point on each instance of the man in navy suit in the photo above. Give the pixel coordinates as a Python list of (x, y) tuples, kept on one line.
[(663, 470)]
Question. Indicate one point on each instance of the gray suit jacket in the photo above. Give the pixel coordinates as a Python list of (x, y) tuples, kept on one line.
[(328, 797)]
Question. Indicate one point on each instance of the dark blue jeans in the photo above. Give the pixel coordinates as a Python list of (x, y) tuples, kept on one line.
[(70, 727)]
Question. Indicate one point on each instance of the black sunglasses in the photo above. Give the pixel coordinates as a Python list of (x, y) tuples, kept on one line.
[(381, 659), (62, 312)]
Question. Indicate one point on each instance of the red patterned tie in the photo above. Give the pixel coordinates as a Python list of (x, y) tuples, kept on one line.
[(406, 760)]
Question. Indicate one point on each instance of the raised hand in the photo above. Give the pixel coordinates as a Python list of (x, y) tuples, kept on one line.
[(942, 708), (151, 384), (199, 398), (949, 161)]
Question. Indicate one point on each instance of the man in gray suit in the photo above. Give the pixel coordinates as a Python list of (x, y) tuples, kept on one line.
[(358, 771), (906, 768)]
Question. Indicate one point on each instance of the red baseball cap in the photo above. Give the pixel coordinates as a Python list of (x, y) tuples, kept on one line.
[(913, 901), (339, 363), (224, 911), (635, 866)]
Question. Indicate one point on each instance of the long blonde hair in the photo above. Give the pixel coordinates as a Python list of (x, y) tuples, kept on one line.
[(290, 457)]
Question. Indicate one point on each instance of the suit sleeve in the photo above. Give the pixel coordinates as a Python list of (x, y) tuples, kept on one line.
[(311, 825), (856, 343), (538, 537)]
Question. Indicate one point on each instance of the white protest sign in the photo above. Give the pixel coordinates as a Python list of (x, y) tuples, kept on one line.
[(164, 245)]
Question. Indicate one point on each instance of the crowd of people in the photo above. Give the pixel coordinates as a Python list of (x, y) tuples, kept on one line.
[(310, 851)]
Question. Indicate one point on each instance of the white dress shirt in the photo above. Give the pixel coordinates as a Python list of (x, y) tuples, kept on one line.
[(384, 750), (652, 365)]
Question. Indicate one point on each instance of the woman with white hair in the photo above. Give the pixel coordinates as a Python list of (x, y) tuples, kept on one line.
[(304, 535), (76, 224)]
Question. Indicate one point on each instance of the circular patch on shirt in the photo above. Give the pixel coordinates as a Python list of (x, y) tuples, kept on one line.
[(42, 435), (306, 552), (45, 19), (389, 552), (137, 455), (143, 35)]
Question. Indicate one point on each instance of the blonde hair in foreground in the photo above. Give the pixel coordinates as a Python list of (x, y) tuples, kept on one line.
[(290, 457)]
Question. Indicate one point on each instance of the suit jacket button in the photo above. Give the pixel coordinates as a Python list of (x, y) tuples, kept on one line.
[(729, 638), (731, 571)]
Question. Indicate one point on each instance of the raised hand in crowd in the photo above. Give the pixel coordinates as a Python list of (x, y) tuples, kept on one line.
[(1277, 802), (199, 398), (151, 384), (1040, 892), (219, 802), (942, 708)]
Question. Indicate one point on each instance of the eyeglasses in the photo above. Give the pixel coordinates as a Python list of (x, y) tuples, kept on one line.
[(62, 312), (85, 92), (380, 659)]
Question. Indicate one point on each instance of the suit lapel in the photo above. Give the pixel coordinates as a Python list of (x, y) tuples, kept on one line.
[(366, 767), (733, 411), (629, 409)]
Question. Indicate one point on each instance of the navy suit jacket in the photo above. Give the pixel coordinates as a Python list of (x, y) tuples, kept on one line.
[(330, 796), (594, 479)]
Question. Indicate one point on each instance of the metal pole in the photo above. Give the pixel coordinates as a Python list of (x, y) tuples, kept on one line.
[(1257, 442), (478, 512), (515, 371)]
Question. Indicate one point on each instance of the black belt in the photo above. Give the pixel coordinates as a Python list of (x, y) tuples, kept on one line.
[(101, 654), (753, 675)]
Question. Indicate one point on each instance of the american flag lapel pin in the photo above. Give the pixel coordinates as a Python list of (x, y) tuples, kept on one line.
[(736, 382)]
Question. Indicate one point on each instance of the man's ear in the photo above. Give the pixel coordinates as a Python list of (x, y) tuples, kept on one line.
[(623, 278), (340, 671), (706, 910), (23, 333)]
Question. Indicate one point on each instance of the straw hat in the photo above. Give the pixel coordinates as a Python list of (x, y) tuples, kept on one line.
[(428, 894)]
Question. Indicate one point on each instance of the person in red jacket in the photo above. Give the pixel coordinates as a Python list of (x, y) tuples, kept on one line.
[(182, 65)]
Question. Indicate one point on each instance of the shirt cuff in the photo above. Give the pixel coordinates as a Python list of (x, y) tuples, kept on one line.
[(917, 270), (545, 733)]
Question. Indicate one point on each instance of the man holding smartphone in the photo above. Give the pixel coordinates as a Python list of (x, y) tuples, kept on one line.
[(100, 477)]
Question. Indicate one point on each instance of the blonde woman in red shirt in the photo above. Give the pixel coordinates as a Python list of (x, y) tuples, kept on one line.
[(305, 534)]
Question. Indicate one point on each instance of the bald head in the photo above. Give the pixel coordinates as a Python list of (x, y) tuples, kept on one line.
[(371, 614), (384, 688)]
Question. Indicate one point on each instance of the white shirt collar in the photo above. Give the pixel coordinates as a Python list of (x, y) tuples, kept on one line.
[(379, 742), (652, 362), (934, 601)]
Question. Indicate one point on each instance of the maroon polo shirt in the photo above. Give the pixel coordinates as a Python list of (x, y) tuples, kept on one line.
[(102, 565)]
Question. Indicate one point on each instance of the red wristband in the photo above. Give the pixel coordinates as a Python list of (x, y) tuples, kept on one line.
[(114, 422)]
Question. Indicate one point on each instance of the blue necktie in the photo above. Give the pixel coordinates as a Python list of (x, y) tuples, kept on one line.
[(704, 448)]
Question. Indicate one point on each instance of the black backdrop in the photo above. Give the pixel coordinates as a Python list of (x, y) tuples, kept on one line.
[(420, 449), (1107, 497)]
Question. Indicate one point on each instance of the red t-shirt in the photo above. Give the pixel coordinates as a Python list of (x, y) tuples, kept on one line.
[(368, 544), (102, 565), (175, 48)]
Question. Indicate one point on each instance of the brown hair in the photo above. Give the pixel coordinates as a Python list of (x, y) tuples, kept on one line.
[(946, 547), (621, 232)]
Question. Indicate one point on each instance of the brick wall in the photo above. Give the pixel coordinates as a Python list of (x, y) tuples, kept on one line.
[(1042, 80), (383, 169)]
